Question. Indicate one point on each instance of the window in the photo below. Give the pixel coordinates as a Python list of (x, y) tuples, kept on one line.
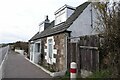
[(37, 47), (50, 51), (50, 48)]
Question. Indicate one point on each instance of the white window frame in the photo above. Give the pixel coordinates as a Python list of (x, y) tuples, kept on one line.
[(50, 47), (54, 51), (50, 60), (37, 47)]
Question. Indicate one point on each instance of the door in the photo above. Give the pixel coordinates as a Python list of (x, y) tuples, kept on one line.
[(37, 52)]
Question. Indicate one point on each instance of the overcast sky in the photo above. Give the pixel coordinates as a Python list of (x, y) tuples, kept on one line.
[(19, 19)]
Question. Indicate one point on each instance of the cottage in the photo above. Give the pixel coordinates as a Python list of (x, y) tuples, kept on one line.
[(49, 48)]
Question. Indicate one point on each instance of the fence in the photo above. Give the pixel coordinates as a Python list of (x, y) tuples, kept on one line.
[(85, 53), (3, 59), (89, 53)]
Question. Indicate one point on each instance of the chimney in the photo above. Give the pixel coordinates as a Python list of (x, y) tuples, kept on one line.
[(46, 19), (45, 24)]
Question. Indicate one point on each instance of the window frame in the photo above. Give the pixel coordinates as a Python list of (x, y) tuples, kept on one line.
[(38, 47), (50, 47)]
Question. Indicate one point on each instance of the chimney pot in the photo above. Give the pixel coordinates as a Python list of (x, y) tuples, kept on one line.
[(47, 20)]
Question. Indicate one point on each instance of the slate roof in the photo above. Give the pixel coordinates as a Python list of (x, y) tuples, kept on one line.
[(52, 29)]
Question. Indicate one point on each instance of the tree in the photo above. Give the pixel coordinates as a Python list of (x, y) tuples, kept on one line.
[(21, 45), (109, 20)]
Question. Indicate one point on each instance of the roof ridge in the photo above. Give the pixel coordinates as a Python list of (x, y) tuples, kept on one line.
[(50, 31), (73, 17)]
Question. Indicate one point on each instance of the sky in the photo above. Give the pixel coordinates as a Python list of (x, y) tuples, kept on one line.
[(20, 19)]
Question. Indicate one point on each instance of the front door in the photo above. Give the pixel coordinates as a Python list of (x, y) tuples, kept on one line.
[(37, 52)]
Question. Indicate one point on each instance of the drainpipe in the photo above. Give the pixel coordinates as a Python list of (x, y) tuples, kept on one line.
[(91, 17), (66, 50)]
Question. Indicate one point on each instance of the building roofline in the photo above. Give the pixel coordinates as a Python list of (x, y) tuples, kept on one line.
[(62, 28), (63, 7)]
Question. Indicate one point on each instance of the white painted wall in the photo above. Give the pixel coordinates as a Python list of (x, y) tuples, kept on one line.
[(82, 25), (41, 27), (62, 15), (31, 52), (33, 60), (69, 12), (20, 51)]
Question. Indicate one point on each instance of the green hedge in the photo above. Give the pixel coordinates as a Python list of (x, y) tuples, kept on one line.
[(101, 74)]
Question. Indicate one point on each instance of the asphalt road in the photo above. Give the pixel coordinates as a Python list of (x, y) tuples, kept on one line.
[(19, 67), (3, 51)]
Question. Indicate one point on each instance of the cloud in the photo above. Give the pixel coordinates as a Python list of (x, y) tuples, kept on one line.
[(19, 19)]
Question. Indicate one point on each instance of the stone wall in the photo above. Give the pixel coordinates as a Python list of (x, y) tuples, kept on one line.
[(60, 56)]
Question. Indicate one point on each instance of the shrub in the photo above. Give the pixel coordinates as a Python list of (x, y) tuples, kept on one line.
[(101, 74)]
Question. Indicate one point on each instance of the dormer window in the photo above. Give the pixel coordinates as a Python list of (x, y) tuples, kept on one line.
[(63, 13)]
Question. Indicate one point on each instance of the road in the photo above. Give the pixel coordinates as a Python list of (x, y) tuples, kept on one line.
[(19, 67), (3, 51)]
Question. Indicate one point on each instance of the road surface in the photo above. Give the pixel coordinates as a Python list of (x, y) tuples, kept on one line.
[(19, 67)]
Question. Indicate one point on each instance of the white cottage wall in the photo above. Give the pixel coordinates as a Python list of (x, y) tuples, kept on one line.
[(82, 25), (31, 52), (41, 28), (69, 12)]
